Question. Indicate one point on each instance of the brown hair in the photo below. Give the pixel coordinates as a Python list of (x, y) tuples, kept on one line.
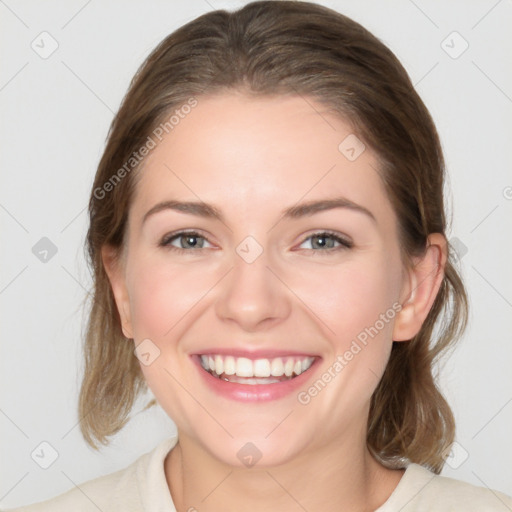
[(286, 48)]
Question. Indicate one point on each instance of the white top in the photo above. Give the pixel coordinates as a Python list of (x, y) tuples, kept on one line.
[(142, 486)]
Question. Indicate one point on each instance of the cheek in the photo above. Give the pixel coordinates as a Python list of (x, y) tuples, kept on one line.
[(359, 305), (161, 296), (354, 299), (162, 301)]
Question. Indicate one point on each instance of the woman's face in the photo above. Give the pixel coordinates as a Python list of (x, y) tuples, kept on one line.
[(259, 287)]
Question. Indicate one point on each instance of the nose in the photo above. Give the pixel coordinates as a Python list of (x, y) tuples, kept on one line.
[(252, 295)]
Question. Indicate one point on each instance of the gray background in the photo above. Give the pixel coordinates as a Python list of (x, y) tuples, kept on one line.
[(55, 112)]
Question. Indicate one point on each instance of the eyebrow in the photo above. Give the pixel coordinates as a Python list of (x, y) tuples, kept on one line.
[(206, 210)]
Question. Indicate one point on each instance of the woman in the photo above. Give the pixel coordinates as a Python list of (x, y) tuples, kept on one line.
[(267, 235)]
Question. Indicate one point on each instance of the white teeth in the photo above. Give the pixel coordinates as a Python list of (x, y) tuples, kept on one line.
[(306, 363), (219, 365), (244, 367), (252, 382), (260, 368), (229, 365), (288, 367), (277, 367)]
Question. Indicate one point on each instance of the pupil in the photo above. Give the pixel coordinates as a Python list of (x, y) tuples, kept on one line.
[(191, 240), (321, 241)]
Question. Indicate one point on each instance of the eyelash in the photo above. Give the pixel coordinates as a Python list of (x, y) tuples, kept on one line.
[(344, 243)]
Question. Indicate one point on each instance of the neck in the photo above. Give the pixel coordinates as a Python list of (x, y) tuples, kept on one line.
[(329, 478)]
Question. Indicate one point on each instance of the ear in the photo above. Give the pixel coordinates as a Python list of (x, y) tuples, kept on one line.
[(114, 267), (421, 287)]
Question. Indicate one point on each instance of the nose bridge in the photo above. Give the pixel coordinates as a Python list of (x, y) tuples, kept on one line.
[(252, 294)]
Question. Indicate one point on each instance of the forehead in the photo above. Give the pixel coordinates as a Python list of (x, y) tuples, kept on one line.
[(244, 153)]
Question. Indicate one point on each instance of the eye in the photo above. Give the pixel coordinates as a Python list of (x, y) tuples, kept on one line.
[(187, 240), (183, 241), (326, 242)]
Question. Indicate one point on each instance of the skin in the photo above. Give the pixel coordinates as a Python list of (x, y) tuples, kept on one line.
[(251, 158)]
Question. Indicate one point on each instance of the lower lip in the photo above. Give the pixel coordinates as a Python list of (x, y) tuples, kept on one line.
[(254, 392)]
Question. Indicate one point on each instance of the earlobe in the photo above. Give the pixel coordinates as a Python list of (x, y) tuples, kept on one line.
[(114, 269), (425, 279)]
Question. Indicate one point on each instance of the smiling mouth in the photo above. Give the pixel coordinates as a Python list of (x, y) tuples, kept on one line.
[(258, 371)]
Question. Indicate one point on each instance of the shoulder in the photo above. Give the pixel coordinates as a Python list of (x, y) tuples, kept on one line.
[(127, 490), (420, 490), (98, 494)]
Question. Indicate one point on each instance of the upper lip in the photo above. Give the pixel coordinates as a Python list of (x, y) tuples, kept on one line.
[(254, 354)]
